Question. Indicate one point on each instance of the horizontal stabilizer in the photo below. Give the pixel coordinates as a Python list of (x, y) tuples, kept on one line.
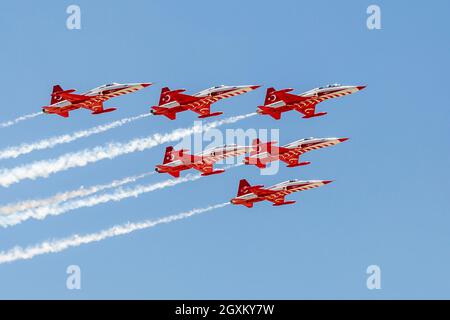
[(270, 111), (164, 112), (63, 114), (175, 174), (168, 169)]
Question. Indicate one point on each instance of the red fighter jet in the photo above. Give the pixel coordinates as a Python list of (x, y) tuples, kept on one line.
[(247, 195), (176, 161), (264, 153), (64, 101), (279, 101), (173, 101)]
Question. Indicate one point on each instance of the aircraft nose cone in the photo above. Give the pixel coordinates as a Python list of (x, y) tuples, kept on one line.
[(327, 181), (254, 87), (146, 84), (360, 87), (343, 139)]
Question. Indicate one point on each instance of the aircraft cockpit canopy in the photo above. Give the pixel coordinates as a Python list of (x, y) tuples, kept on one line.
[(330, 86), (109, 85)]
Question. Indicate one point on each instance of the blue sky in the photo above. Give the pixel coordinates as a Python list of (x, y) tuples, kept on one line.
[(388, 206)]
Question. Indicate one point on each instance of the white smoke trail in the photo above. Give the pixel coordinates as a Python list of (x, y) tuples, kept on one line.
[(82, 158), (19, 119), (58, 245), (53, 209), (16, 151), (40, 213), (67, 195)]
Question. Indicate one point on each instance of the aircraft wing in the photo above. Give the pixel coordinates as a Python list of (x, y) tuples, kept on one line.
[(291, 157), (312, 101), (200, 107), (277, 197), (95, 105), (204, 168), (279, 201), (203, 107), (307, 107)]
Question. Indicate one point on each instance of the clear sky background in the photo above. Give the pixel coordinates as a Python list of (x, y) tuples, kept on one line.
[(389, 205)]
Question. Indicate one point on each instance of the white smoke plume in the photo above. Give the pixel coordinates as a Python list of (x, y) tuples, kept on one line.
[(67, 195), (44, 168), (58, 245), (119, 194), (19, 119), (16, 151)]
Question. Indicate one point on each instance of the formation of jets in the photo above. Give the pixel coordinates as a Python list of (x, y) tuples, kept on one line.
[(172, 102), (176, 161), (260, 153)]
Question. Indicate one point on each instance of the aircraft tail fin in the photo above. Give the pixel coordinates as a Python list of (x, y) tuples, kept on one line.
[(171, 154), (270, 97), (259, 147), (56, 88), (163, 95), (168, 156), (244, 187), (255, 147)]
